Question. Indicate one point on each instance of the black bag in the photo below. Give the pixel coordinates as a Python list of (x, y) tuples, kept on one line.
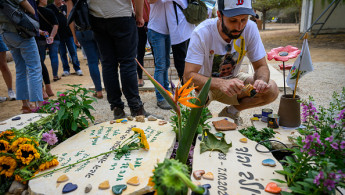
[(26, 26), (195, 13), (80, 15)]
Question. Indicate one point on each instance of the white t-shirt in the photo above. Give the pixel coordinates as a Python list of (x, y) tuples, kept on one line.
[(183, 30), (158, 18), (110, 8), (207, 47)]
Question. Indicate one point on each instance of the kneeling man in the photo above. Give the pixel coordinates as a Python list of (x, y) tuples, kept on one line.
[(214, 41)]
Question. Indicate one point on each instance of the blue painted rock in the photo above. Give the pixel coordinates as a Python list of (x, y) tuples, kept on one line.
[(269, 162), (208, 186), (219, 135), (200, 137), (69, 187), (206, 191), (118, 189), (16, 118)]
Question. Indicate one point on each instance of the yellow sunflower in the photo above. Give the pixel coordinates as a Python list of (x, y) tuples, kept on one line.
[(4, 146), (18, 142), (26, 153), (142, 137), (7, 134), (19, 178), (7, 166), (48, 164)]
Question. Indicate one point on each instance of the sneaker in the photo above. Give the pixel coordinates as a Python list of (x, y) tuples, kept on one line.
[(164, 105), (11, 95), (119, 113), (65, 73), (236, 117), (3, 99), (79, 72), (140, 111)]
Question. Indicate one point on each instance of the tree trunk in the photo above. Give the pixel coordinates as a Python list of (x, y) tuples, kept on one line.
[(263, 20)]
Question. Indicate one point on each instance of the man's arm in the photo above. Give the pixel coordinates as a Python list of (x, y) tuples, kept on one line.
[(69, 5), (261, 75), (230, 87), (152, 1), (139, 8), (26, 5)]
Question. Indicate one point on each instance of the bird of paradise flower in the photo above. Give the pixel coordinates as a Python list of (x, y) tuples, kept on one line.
[(186, 135)]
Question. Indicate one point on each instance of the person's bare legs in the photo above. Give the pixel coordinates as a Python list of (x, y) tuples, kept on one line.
[(6, 73), (49, 90), (259, 99)]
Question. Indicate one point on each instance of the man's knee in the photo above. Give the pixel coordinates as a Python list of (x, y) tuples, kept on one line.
[(272, 93)]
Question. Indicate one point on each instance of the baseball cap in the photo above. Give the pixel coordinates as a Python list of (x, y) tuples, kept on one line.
[(231, 8)]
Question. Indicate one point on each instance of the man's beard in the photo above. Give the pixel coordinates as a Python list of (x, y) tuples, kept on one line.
[(227, 32)]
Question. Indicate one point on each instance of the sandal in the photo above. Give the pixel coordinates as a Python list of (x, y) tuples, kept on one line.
[(98, 97), (141, 85), (56, 78), (26, 110)]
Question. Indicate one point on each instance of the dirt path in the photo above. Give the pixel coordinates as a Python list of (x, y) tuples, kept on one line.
[(327, 50)]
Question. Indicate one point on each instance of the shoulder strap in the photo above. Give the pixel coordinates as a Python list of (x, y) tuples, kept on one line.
[(178, 5), (44, 18)]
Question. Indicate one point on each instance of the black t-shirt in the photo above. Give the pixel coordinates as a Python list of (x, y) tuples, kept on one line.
[(44, 25), (61, 14)]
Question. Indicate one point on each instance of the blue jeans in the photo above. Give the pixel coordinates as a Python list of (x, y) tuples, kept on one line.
[(160, 44), (72, 50), (28, 66), (53, 54), (87, 41)]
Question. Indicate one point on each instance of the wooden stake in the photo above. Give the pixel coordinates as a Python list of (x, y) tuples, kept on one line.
[(294, 92)]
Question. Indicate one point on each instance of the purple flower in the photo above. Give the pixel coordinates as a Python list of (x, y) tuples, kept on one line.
[(45, 102), (318, 177), (61, 95), (312, 152), (341, 115), (330, 184), (335, 146), (50, 137), (342, 145), (317, 137), (57, 103), (52, 109), (334, 125), (57, 108), (330, 138), (64, 101)]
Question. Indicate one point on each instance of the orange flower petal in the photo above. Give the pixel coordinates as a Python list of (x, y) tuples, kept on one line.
[(185, 85)]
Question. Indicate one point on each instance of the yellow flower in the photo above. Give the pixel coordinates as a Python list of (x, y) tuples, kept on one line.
[(19, 178), (7, 166), (182, 93), (20, 141), (48, 164), (8, 134), (142, 137), (26, 153), (4, 146)]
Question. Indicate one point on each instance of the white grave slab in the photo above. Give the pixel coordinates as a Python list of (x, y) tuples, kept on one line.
[(101, 138), (240, 171), (25, 119)]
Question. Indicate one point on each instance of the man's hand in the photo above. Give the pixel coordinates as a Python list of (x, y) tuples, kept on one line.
[(261, 86), (76, 42), (140, 21), (231, 87)]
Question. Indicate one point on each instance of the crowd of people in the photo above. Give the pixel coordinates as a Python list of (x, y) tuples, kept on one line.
[(119, 33)]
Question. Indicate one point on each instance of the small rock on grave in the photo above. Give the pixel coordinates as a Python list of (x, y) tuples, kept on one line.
[(104, 185)]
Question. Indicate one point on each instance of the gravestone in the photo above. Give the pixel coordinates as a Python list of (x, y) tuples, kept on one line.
[(25, 119), (102, 138), (240, 171)]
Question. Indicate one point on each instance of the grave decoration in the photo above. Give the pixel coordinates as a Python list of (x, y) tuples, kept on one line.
[(25, 119), (109, 158), (185, 134), (317, 165)]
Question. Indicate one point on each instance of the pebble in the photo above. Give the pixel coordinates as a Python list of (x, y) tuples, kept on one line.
[(219, 135), (131, 166), (208, 186), (112, 122), (198, 173), (208, 175), (88, 188), (243, 140), (104, 185), (118, 120), (62, 179), (16, 187), (130, 118), (134, 181), (69, 187), (151, 118), (118, 189), (273, 188), (140, 118), (269, 162), (162, 122), (16, 118)]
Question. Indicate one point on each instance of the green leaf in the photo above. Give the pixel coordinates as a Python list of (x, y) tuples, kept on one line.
[(74, 126), (75, 113), (211, 143), (69, 104), (279, 180), (84, 121), (86, 102), (192, 124), (284, 172), (61, 112), (304, 184), (285, 193)]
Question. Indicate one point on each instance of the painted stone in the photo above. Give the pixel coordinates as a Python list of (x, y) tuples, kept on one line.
[(88, 188), (131, 166), (200, 137), (118, 189), (130, 118), (104, 185), (239, 171), (101, 138), (162, 122), (16, 118), (224, 125), (218, 135), (134, 181), (208, 175), (124, 121), (273, 188), (118, 120), (69, 187), (112, 122), (208, 186), (62, 179), (269, 162), (198, 173), (244, 140), (151, 118)]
